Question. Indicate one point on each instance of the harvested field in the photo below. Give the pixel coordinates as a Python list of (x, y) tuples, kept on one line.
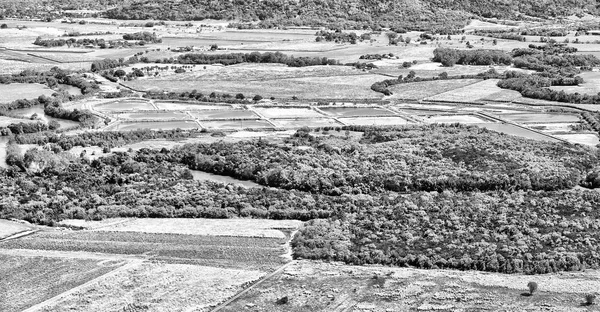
[(469, 93), (124, 105), (187, 106), (377, 121), (310, 122), (220, 251), (589, 139), (158, 115), (503, 96), (516, 131), (27, 281), (334, 87), (541, 118), (157, 287), (8, 228), (17, 91), (355, 111), (320, 286), (66, 57), (224, 114), (466, 119), (237, 124), (287, 112), (208, 227), (424, 89), (164, 125)]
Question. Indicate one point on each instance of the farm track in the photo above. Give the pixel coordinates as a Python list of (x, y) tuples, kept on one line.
[(241, 293)]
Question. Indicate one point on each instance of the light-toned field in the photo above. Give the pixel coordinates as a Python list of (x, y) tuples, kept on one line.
[(124, 105), (311, 122), (8, 228), (589, 139), (424, 89), (516, 131), (287, 112), (158, 287), (553, 127), (237, 124), (164, 125), (334, 87), (224, 114), (29, 280), (210, 227), (504, 95), (158, 115), (320, 286), (541, 118), (18, 91), (187, 106), (377, 121), (66, 57), (469, 93), (355, 111), (466, 119)]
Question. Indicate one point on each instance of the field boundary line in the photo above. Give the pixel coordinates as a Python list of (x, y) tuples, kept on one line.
[(19, 235), (522, 126), (260, 281), (73, 290)]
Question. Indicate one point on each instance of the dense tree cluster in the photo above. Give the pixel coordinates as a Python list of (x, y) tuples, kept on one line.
[(144, 36), (254, 57), (449, 57), (341, 37), (520, 232), (545, 32), (212, 97)]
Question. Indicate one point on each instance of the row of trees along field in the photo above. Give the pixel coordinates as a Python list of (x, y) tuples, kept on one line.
[(510, 228), (254, 57)]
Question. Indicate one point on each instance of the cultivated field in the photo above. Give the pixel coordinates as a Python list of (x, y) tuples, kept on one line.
[(188, 106), (424, 89), (155, 116), (355, 111), (377, 121), (540, 118), (236, 124), (18, 91), (589, 139), (287, 112), (517, 131), (8, 228), (465, 119), (469, 93), (124, 105), (224, 114), (299, 123), (165, 125)]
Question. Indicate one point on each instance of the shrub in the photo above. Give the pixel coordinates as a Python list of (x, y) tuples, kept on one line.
[(589, 299), (533, 286)]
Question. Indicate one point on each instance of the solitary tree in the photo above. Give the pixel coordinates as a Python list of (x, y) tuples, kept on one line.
[(533, 286)]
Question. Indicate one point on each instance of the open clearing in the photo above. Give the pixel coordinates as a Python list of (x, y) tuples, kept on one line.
[(219, 251), (311, 122), (158, 125), (424, 89), (541, 118), (287, 112), (516, 131), (8, 228), (27, 281), (224, 114), (124, 105), (17, 91), (158, 287), (466, 119), (209, 227), (155, 116), (237, 124), (319, 286), (589, 139), (377, 121), (355, 111), (469, 93)]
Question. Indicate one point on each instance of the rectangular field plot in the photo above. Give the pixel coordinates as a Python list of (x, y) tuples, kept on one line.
[(158, 287), (158, 115), (187, 106), (26, 281), (589, 139), (541, 118), (237, 124), (124, 105), (173, 248), (309, 122), (224, 114), (517, 131), (376, 121), (287, 112), (466, 119), (423, 89), (355, 111), (469, 93), (164, 125), (503, 96), (210, 227), (66, 57)]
